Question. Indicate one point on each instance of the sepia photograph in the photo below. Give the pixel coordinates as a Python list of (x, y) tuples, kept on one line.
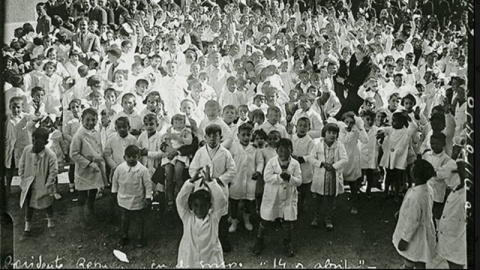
[(148, 134)]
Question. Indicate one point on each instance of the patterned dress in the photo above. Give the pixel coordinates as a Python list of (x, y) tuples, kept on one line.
[(330, 176)]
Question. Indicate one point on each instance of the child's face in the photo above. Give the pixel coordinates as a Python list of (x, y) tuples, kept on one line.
[(349, 122), (304, 78), (380, 119), (89, 121), (436, 145), (213, 140), (75, 108), (16, 108), (200, 208), (245, 136), (122, 129), (396, 123), (229, 116), (260, 141), (38, 144), (211, 112), (408, 104), (38, 97), (273, 117), (128, 104), (302, 127), (203, 78), (141, 88), (110, 97), (232, 85), (284, 153), (131, 160), (293, 95), (187, 108), (305, 103), (427, 77), (195, 69), (397, 81), (243, 113), (368, 121), (40, 11), (273, 140), (390, 70), (49, 70), (105, 120), (178, 124), (393, 103), (330, 136), (172, 69), (150, 126)]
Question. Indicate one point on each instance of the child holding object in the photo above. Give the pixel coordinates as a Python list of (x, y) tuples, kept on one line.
[(200, 212), (414, 236)]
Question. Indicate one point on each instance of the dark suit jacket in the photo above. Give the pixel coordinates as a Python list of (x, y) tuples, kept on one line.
[(91, 43), (98, 14), (120, 11)]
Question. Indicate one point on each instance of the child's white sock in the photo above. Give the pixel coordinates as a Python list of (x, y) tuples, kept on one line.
[(50, 223), (28, 226)]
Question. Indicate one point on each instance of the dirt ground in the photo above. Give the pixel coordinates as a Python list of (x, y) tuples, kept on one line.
[(357, 241)]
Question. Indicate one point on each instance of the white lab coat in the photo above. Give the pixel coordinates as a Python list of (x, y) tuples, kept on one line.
[(444, 165), (395, 150), (302, 147), (452, 238), (248, 160), (280, 197), (317, 156), (369, 150), (352, 170), (415, 225), (200, 244)]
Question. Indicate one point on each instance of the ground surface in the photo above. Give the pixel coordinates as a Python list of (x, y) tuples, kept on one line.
[(362, 240)]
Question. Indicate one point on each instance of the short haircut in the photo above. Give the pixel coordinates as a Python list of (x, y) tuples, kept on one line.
[(423, 170), (37, 89), (255, 113), (304, 119), (332, 127), (90, 111), (111, 90), (150, 117), (229, 107), (396, 95), (94, 80), (127, 95), (259, 133), (16, 80), (245, 126), (231, 78), (243, 106), (439, 136), (122, 120), (213, 129), (132, 151), (141, 81), (16, 99), (401, 117), (438, 117), (200, 195), (274, 132), (48, 64), (41, 133), (212, 103), (368, 113), (74, 101), (285, 143), (409, 97), (273, 109), (178, 117)]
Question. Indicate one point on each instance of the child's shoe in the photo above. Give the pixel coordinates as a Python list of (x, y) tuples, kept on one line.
[(258, 246), (328, 224), (233, 226), (354, 210), (57, 196), (246, 222), (71, 187), (314, 223), (25, 235), (288, 248)]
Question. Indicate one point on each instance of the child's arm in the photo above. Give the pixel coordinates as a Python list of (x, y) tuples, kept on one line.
[(259, 162), (317, 126), (219, 198), (77, 156), (296, 176), (411, 219), (270, 176), (147, 183), (362, 134), (182, 199), (115, 181), (446, 170), (66, 133), (231, 170), (312, 157), (21, 164), (108, 155), (343, 158)]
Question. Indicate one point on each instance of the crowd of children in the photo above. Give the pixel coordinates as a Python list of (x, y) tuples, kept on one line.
[(237, 109)]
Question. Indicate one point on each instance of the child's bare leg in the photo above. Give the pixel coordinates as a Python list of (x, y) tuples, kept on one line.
[(170, 185), (233, 215), (287, 228), (125, 226), (50, 224), (179, 168)]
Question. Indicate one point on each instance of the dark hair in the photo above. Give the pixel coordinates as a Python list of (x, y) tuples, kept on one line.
[(401, 117), (127, 95), (439, 108), (243, 106), (245, 126), (273, 108), (132, 150), (122, 120), (213, 129), (438, 116), (332, 127), (37, 89), (304, 119), (178, 117), (423, 170), (150, 117), (16, 80), (257, 112), (366, 113), (16, 99), (284, 142), (201, 195), (90, 111), (229, 107), (259, 133), (41, 133), (409, 97)]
